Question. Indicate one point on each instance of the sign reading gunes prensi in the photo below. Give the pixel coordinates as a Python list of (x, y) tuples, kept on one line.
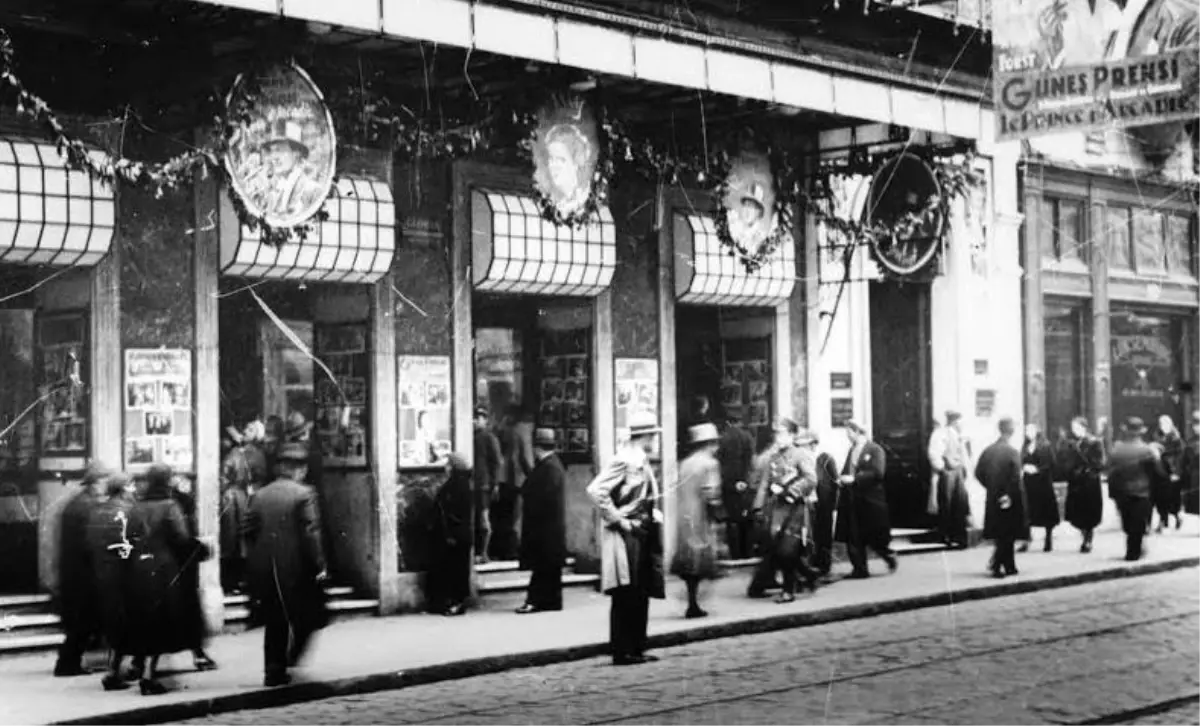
[(1079, 65)]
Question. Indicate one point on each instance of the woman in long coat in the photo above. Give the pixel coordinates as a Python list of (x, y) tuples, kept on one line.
[(1037, 463), (197, 630), (699, 497), (543, 545), (448, 582), (1167, 490), (161, 620), (1081, 460)]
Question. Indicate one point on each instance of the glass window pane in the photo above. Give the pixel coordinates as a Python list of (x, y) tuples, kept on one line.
[(1146, 360), (1070, 230), (1046, 230), (1148, 240), (1179, 244), (1118, 238), (1064, 367)]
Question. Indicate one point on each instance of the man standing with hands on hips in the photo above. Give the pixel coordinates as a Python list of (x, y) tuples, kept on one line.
[(631, 550)]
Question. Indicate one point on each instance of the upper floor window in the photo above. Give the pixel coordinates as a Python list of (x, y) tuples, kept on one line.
[(1151, 242), (1062, 230)]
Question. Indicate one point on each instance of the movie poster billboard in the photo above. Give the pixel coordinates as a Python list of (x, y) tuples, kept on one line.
[(158, 409), (1083, 65)]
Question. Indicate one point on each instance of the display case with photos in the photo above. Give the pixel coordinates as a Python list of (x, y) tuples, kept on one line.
[(63, 388), (564, 391), (341, 393), (746, 385)]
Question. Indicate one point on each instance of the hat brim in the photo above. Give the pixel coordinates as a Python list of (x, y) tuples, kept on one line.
[(286, 142), (705, 440), (649, 431)]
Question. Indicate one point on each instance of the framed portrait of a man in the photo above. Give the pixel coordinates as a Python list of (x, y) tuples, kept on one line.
[(282, 157), (749, 200), (566, 151)]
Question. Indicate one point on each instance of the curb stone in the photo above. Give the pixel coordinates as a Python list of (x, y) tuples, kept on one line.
[(315, 691)]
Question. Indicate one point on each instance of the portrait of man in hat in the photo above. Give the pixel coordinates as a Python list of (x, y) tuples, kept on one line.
[(290, 193), (750, 200)]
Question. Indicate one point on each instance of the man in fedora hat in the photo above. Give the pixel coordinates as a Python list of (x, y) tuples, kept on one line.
[(543, 525), (289, 189), (1133, 468), (285, 568), (697, 536), (630, 503)]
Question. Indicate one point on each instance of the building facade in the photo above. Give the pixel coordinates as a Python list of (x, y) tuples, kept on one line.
[(435, 287)]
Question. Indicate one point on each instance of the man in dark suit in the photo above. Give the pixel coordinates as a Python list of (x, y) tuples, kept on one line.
[(286, 563), (735, 454), (827, 493), (862, 508), (543, 521), (1132, 469), (489, 471), (76, 597), (999, 471)]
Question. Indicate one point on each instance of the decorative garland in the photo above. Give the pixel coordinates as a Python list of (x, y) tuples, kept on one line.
[(602, 175), (781, 213)]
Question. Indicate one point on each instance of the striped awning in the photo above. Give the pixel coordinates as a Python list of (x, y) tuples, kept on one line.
[(706, 274), (517, 251), (355, 244), (51, 214)]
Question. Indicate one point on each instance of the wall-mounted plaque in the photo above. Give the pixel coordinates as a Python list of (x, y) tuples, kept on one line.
[(841, 381), (841, 411), (985, 403), (424, 409), (981, 367)]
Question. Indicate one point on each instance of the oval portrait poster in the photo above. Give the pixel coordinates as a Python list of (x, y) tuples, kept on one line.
[(902, 185), (566, 150), (749, 200), (282, 156)]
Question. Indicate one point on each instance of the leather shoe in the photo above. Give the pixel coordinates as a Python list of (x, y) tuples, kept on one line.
[(277, 679), (527, 609), (67, 671)]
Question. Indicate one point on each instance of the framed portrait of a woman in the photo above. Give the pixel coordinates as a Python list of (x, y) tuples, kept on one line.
[(566, 151)]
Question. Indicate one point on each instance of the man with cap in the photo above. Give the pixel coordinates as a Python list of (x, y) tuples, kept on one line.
[(699, 496), (948, 454), (488, 470), (631, 572), (1191, 469), (787, 478), (862, 519), (290, 191), (543, 525), (285, 568), (1132, 469), (999, 471), (77, 597)]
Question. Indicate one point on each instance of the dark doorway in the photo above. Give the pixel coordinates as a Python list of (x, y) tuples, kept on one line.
[(900, 395)]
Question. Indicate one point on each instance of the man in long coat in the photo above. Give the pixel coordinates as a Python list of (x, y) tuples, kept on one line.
[(787, 477), (735, 454), (863, 520), (827, 494), (543, 526), (948, 454), (1133, 469), (488, 472), (77, 599), (631, 568), (1004, 518), (286, 564)]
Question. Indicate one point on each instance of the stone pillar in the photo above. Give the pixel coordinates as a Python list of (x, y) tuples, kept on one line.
[(668, 404), (1101, 388)]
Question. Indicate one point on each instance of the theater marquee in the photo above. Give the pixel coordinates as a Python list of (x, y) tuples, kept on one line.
[(1080, 65)]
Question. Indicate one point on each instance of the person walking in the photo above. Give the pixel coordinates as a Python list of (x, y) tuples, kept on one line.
[(286, 564), (948, 454), (1166, 492), (1081, 461), (448, 582), (488, 472), (518, 457), (699, 493), (786, 476), (109, 548), (735, 455), (161, 618), (827, 494), (631, 573), (1004, 522), (862, 516), (1190, 469), (197, 630), (236, 484), (1132, 471), (1037, 467), (544, 527), (76, 596)]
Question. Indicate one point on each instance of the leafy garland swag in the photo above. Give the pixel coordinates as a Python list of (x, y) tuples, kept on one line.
[(511, 132)]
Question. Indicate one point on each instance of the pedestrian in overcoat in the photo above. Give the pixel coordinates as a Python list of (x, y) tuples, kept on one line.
[(699, 498), (448, 582), (787, 481), (1166, 492), (827, 494), (1132, 471), (236, 484), (948, 455), (160, 605), (1081, 462), (197, 631), (489, 473), (631, 549), (110, 550), (863, 521), (1037, 466), (1004, 521), (76, 597), (543, 525), (735, 453), (1190, 469), (286, 565)]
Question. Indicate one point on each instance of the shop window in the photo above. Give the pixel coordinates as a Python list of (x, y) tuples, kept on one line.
[(1065, 376), (341, 393), (1181, 244), (62, 348), (1149, 241), (287, 370), (18, 396), (1147, 356), (1120, 256), (1062, 232)]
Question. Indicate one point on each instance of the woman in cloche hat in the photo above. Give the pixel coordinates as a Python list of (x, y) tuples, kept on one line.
[(699, 503)]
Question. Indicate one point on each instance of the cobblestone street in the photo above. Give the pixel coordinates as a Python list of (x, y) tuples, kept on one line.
[(1123, 651)]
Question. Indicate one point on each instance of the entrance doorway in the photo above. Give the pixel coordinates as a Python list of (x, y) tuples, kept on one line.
[(901, 395)]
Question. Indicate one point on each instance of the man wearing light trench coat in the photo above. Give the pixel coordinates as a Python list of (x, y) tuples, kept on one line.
[(631, 549)]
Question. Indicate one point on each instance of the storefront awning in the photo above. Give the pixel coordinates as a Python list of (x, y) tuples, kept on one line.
[(355, 244), (516, 251), (706, 274), (51, 214)]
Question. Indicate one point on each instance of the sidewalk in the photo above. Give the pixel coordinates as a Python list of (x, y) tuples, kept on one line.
[(371, 654)]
